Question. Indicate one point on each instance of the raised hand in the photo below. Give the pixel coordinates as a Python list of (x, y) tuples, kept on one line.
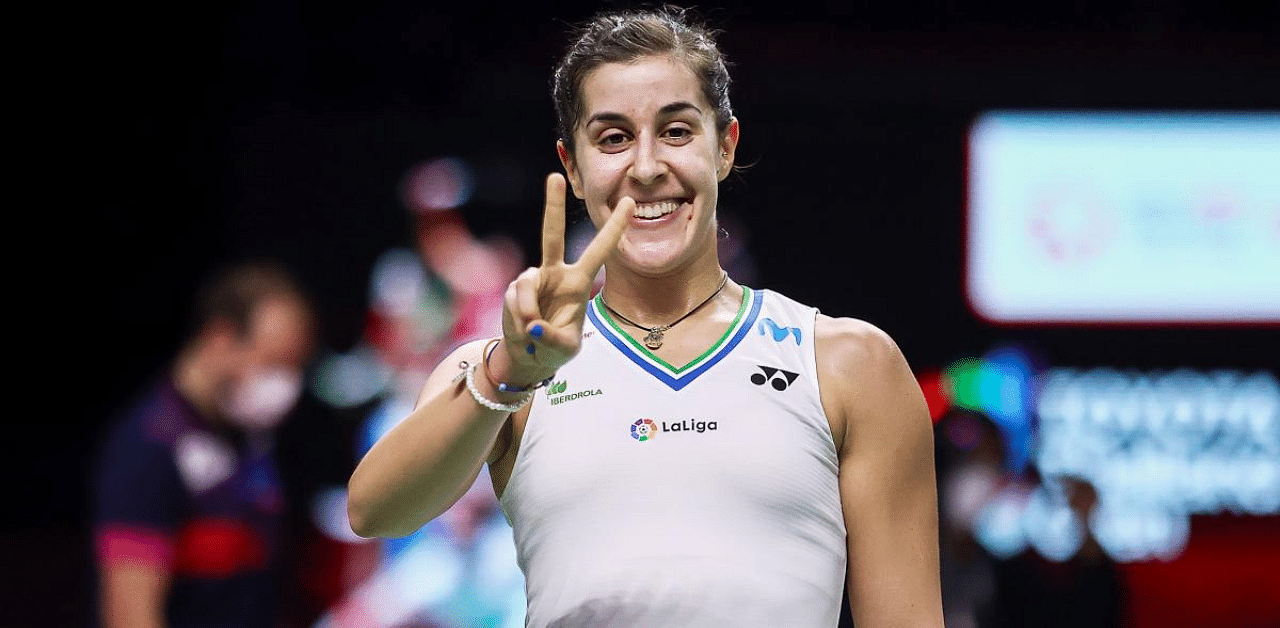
[(545, 306)]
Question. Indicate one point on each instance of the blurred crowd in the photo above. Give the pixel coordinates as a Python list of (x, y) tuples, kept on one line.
[(265, 501)]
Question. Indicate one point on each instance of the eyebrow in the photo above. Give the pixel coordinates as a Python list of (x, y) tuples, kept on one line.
[(668, 109)]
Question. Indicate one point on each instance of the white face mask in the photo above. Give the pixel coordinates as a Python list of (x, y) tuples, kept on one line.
[(263, 398)]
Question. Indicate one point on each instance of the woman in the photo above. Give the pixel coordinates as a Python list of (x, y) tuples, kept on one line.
[(703, 454)]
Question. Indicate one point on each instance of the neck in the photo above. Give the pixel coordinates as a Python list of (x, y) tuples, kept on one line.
[(660, 300)]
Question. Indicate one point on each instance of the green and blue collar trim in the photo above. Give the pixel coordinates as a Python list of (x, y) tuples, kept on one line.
[(678, 377)]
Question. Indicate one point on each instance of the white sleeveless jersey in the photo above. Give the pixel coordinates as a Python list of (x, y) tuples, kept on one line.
[(646, 495)]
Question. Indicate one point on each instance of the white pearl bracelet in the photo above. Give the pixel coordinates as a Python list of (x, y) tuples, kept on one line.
[(489, 403)]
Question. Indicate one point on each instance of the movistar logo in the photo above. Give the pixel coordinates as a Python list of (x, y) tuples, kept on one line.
[(556, 392), (779, 333)]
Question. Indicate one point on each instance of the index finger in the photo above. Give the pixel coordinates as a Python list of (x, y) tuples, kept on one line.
[(607, 240), (553, 221)]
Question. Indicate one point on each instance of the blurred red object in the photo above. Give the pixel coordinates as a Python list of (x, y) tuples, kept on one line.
[(1229, 575)]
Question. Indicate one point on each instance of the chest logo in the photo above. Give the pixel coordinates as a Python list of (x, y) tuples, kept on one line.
[(775, 377), (644, 429), (204, 461), (647, 429), (556, 392), (779, 333)]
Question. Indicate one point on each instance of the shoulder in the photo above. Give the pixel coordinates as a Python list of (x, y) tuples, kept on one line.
[(774, 300), (147, 427), (863, 376), (853, 346), (135, 474), (129, 454)]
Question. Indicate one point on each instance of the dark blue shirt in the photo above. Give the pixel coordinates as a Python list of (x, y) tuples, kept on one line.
[(173, 492)]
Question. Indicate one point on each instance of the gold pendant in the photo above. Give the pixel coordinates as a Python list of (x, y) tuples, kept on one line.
[(654, 339)]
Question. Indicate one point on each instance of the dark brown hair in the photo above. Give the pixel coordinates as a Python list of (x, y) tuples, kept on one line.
[(234, 293), (624, 36)]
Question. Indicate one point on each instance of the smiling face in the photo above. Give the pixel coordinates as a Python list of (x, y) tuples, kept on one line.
[(648, 133)]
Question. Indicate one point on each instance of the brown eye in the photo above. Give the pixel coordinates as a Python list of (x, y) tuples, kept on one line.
[(678, 134), (613, 139)]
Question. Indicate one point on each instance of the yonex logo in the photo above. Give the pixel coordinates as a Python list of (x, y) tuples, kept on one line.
[(644, 429), (779, 333), (777, 378)]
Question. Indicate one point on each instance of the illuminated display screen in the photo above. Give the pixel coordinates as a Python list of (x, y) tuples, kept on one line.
[(1156, 446), (1124, 218), (1162, 446)]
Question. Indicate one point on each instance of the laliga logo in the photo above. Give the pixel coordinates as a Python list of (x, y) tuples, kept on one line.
[(644, 429)]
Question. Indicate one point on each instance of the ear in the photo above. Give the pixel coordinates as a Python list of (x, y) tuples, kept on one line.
[(570, 168), (729, 147)]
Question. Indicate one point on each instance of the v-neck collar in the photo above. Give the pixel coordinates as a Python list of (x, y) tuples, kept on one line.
[(677, 377)]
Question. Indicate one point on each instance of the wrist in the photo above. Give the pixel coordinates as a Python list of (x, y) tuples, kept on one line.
[(502, 405), (504, 371)]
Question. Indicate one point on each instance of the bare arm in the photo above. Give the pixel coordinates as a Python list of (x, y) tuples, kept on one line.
[(426, 462), (420, 467), (133, 595), (886, 476)]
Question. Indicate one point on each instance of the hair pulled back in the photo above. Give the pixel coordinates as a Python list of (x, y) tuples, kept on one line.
[(623, 37)]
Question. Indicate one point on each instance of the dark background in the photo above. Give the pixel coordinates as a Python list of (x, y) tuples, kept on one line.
[(197, 134)]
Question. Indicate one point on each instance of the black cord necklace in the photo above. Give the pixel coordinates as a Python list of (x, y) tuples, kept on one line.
[(654, 339)]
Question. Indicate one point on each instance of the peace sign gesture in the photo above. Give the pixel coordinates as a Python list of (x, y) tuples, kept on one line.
[(544, 307)]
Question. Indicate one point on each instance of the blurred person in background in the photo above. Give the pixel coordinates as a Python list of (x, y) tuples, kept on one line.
[(999, 570), (189, 510), (970, 456), (459, 570), (788, 457)]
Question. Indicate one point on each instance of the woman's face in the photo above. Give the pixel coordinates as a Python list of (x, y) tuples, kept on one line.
[(648, 133)]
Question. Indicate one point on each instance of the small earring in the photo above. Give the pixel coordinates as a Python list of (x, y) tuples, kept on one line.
[(724, 154)]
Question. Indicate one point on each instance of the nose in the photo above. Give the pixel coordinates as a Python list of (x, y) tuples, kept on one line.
[(647, 165)]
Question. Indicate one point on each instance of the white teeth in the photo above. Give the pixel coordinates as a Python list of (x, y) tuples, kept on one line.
[(654, 210)]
